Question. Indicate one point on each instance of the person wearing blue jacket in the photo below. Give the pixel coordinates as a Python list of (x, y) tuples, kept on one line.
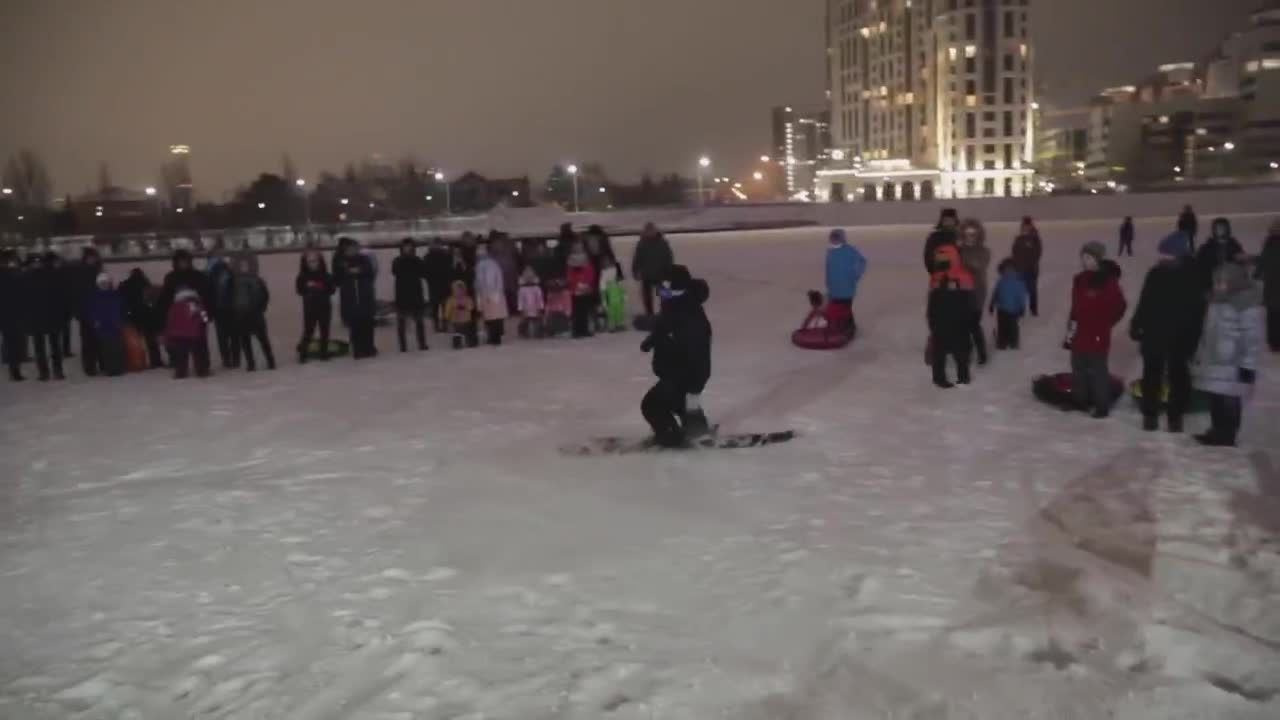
[(845, 267), (104, 311), (1009, 304)]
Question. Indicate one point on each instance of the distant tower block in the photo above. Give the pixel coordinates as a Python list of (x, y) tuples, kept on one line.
[(177, 177)]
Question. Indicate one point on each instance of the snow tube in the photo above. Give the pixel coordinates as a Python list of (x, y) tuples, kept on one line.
[(821, 338), (828, 327), (1055, 390), (135, 350), (1199, 400), (337, 348)]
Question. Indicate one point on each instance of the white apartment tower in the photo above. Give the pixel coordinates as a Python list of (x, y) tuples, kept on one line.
[(929, 98)]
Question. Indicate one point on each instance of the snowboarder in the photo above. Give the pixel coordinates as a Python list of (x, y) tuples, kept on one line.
[(1269, 274), (681, 347), (950, 315), (1230, 351), (845, 266), (1126, 238), (977, 260), (316, 287), (650, 263), (1009, 304), (410, 300), (1027, 251), (1097, 305), (1167, 323)]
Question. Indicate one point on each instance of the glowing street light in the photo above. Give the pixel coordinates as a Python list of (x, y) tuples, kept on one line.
[(515, 193), (758, 175), (306, 200), (1275, 165), (179, 211), (603, 189), (704, 162), (150, 191), (300, 182), (448, 196), (573, 173), (344, 201), (764, 158), (8, 191), (430, 198), (262, 206), (1228, 146)]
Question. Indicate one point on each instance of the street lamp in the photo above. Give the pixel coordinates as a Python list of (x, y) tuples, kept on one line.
[(8, 191), (151, 192), (573, 172), (262, 206), (448, 198), (306, 200), (764, 158), (704, 162), (344, 201), (1228, 146)]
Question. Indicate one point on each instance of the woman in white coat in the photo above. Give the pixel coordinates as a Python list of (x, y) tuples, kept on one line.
[(1227, 362), (491, 294)]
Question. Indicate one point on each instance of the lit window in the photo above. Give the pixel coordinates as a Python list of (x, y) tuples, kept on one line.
[(1023, 49), (971, 100), (1251, 66), (971, 51), (953, 53), (1271, 63)]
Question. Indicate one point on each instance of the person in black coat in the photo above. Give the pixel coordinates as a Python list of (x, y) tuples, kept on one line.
[(140, 311), (65, 278), (13, 303), (1126, 237), (218, 269), (650, 263), (944, 233), (353, 274), (681, 346), (436, 268), (1269, 273), (83, 285), (48, 312), (316, 287), (1167, 324), (1220, 248), (1187, 223), (410, 299)]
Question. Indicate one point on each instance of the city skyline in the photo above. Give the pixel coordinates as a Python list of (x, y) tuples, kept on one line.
[(503, 89)]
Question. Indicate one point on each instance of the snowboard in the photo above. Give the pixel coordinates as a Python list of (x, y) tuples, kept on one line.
[(620, 445)]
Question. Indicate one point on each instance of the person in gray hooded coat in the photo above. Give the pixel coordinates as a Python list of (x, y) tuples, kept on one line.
[(1230, 350), (977, 260)]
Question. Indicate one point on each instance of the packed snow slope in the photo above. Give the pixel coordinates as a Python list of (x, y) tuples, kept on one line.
[(399, 538)]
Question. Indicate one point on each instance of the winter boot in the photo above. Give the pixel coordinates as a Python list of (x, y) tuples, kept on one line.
[(1175, 423), (696, 426), (1150, 423)]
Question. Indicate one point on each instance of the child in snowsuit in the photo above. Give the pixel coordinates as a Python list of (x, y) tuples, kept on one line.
[(1230, 351), (460, 314), (491, 295), (1097, 305), (613, 295), (245, 302), (105, 313), (530, 304), (581, 276), (950, 314), (185, 333), (315, 286), (559, 307), (1008, 304)]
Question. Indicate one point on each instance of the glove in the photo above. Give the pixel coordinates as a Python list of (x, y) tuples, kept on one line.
[(647, 345), (1071, 335), (1246, 376)]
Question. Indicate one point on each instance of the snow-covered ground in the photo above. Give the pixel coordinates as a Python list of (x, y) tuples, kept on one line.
[(399, 538)]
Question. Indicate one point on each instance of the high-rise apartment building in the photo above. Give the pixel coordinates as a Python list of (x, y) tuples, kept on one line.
[(929, 98), (801, 144)]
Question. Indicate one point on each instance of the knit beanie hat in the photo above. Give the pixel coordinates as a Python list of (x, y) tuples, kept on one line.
[(837, 237), (1096, 249), (1176, 245)]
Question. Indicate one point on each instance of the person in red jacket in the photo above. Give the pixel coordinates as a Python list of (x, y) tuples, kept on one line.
[(1097, 305), (581, 275), (185, 333)]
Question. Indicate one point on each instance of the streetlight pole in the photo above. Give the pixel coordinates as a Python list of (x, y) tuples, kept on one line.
[(573, 172), (448, 199), (306, 201), (151, 192), (704, 162)]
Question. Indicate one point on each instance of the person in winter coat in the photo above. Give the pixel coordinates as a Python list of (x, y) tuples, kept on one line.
[(530, 303), (1230, 351), (1026, 252), (460, 268), (354, 276), (845, 266), (246, 301), (950, 315), (1167, 323), (1189, 225), (977, 260), (460, 314), (185, 333), (491, 295), (436, 267), (105, 313), (1126, 238), (1097, 305), (84, 282), (613, 294), (596, 243), (13, 303), (1008, 304), (581, 277), (140, 310), (65, 275), (681, 347), (48, 315), (410, 300), (559, 307), (944, 233), (650, 263), (316, 287), (1269, 274), (503, 252), (219, 272), (1220, 248)]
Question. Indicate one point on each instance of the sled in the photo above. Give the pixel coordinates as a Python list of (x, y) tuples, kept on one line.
[(1055, 390), (829, 326), (337, 348), (1199, 400), (822, 338), (135, 350), (622, 445)]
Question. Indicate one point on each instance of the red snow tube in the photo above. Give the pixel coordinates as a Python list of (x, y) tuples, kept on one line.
[(1055, 390), (837, 331)]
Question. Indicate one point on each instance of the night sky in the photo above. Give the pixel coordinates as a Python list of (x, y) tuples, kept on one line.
[(502, 86)]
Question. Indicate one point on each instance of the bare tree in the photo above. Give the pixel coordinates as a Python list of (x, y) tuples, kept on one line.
[(27, 175)]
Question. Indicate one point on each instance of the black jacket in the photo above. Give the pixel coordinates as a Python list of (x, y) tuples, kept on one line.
[(409, 273), (316, 288), (1269, 271), (950, 314), (47, 306), (1170, 312), (681, 340), (81, 282), (936, 239), (1187, 223), (1126, 232), (436, 268), (14, 298), (652, 259), (1213, 253), (354, 278), (140, 302), (181, 277)]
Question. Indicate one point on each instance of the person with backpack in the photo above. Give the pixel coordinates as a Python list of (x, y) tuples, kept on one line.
[(410, 299), (950, 315)]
